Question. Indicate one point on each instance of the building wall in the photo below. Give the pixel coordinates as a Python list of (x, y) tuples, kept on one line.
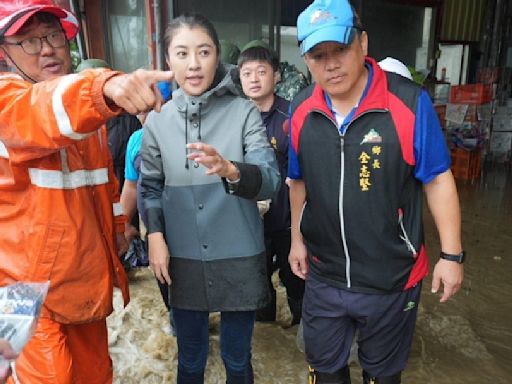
[(385, 20), (463, 20), (246, 20), (397, 30), (127, 24), (92, 29)]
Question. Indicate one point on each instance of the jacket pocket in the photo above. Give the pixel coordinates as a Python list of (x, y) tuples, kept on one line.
[(403, 234), (42, 266)]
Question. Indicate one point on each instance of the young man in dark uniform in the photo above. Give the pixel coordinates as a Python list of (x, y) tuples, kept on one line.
[(259, 73)]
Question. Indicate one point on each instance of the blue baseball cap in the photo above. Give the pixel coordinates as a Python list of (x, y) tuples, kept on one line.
[(327, 20)]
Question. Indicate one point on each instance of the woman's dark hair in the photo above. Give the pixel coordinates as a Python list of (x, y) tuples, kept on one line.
[(191, 20), (259, 54)]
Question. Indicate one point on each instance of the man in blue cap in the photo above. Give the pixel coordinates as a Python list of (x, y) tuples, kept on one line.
[(364, 145)]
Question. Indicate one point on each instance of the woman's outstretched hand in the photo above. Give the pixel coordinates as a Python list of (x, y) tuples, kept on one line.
[(208, 156)]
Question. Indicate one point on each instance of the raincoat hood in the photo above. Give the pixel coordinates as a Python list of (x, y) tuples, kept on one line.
[(223, 83)]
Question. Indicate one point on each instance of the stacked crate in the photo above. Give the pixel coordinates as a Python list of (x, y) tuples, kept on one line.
[(465, 163), (468, 124), (501, 139), (471, 94), (503, 84), (500, 143)]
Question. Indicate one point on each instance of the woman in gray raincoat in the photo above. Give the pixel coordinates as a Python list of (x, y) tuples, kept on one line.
[(205, 163)]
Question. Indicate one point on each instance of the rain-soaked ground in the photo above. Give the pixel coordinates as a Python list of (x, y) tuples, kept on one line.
[(465, 341)]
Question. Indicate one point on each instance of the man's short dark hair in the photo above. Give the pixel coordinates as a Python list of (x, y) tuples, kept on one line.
[(259, 54)]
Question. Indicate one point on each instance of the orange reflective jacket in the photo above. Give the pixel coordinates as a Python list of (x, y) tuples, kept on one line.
[(59, 205)]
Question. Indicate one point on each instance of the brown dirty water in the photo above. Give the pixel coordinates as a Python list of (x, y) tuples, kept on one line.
[(465, 341)]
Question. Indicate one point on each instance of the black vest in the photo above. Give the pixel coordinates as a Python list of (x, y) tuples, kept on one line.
[(362, 223)]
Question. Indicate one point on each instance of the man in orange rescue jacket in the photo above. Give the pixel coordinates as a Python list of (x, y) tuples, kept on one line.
[(60, 217)]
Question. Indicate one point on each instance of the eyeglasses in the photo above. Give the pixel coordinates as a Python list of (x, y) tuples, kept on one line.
[(34, 45)]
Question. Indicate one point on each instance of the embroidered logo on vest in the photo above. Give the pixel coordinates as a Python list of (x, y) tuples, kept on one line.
[(372, 137), (369, 161)]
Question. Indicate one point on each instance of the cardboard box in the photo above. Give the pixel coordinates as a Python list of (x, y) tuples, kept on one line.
[(485, 129), (472, 112), (441, 93), (501, 146), (464, 126), (466, 164), (458, 113), (504, 110), (484, 111), (502, 123)]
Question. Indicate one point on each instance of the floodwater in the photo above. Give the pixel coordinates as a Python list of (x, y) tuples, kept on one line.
[(465, 341)]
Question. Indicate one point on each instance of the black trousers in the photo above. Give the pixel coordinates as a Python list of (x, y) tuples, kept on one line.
[(278, 244)]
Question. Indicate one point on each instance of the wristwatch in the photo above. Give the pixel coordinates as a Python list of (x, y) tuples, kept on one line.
[(459, 258)]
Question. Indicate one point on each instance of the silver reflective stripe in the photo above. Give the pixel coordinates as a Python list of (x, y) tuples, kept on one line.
[(45, 178), (3, 150), (342, 219), (100, 138), (14, 374), (117, 209), (64, 160), (59, 111)]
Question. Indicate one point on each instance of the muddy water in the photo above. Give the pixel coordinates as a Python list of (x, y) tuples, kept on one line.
[(466, 341), (469, 339), (143, 351)]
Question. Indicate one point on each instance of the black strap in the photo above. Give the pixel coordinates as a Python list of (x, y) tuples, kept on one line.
[(341, 376), (457, 258), (394, 379)]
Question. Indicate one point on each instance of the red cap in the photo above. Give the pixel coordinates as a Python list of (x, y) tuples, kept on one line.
[(15, 13)]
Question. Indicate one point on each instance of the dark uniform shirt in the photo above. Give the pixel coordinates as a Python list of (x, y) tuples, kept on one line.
[(278, 217), (119, 130)]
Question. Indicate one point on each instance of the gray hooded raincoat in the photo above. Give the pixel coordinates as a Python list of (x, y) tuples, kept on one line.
[(213, 229)]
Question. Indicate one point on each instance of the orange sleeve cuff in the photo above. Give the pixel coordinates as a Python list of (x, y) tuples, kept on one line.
[(98, 98)]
